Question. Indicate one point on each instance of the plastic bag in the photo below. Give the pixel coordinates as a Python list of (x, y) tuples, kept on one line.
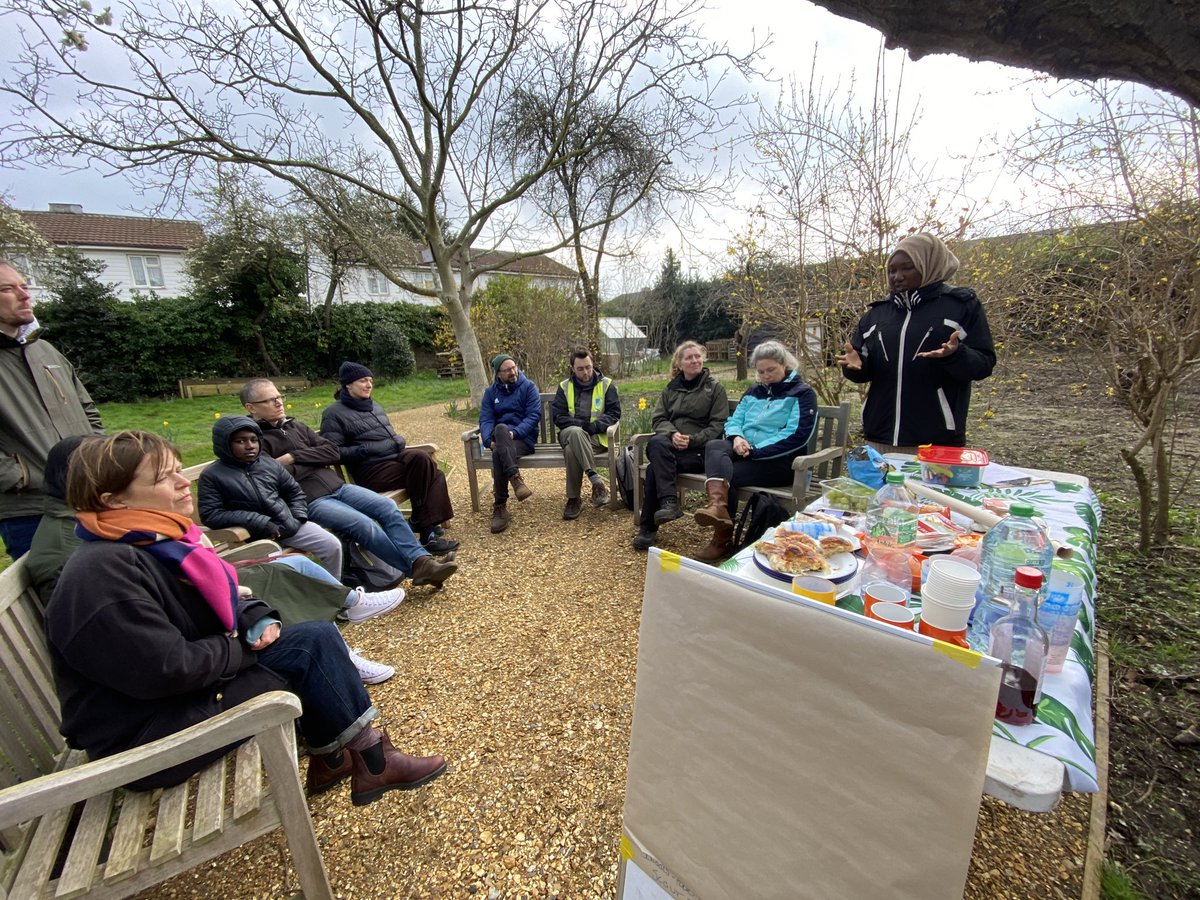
[(867, 465)]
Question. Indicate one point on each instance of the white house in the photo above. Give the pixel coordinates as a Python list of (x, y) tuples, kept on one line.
[(139, 255), (362, 284), (146, 255)]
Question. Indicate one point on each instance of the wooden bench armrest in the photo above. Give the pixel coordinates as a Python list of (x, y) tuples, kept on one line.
[(802, 467), (471, 434), (28, 800), (253, 550), (234, 535), (431, 449)]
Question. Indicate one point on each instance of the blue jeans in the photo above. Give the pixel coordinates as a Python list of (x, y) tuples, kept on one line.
[(312, 658), (310, 569), (371, 521), (17, 534)]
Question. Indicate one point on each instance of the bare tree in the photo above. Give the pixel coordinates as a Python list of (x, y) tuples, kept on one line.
[(1127, 227), (398, 99)]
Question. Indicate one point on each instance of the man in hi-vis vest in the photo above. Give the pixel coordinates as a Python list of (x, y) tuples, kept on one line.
[(585, 405)]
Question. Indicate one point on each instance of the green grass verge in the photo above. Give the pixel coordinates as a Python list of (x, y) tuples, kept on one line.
[(188, 423)]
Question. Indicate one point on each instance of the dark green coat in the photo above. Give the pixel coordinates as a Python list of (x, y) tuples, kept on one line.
[(700, 412)]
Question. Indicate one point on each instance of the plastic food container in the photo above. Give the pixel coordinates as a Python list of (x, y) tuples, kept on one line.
[(958, 467), (846, 493)]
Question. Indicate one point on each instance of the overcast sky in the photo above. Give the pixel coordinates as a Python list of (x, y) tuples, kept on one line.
[(965, 106)]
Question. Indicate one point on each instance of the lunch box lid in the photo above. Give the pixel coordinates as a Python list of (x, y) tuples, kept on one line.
[(951, 456)]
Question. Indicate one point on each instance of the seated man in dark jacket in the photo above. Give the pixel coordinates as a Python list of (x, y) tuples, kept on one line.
[(378, 459), (246, 489), (361, 515)]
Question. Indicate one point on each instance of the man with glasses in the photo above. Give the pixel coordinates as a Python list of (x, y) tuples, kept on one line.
[(42, 401), (363, 516), (508, 424)]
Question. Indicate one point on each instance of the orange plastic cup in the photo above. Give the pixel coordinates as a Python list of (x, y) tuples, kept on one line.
[(892, 614), (957, 638)]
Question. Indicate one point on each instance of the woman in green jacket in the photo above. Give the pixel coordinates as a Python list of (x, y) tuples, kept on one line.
[(691, 411)]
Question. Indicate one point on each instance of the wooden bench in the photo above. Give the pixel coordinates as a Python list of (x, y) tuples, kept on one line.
[(823, 458), (69, 829), (547, 454), (190, 388)]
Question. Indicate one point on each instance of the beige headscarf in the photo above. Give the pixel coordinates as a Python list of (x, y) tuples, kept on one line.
[(932, 258)]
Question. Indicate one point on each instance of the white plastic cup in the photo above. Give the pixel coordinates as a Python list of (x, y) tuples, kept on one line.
[(952, 580), (945, 614)]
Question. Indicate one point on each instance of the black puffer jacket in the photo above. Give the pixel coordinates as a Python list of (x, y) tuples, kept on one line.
[(362, 430), (260, 496)]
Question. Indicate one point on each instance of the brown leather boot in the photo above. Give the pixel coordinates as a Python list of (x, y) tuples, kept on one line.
[(521, 490), (427, 570), (322, 775), (717, 511), (718, 547), (500, 517), (401, 772)]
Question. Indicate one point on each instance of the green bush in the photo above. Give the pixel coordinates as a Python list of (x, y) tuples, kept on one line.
[(391, 353)]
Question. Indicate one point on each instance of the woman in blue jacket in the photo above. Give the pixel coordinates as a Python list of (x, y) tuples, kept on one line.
[(771, 426)]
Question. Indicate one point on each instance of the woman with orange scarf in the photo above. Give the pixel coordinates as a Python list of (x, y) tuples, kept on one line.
[(149, 633)]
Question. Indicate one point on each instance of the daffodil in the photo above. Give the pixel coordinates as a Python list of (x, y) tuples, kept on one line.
[(641, 403)]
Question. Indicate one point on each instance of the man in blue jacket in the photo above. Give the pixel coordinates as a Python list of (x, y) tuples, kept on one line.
[(508, 425)]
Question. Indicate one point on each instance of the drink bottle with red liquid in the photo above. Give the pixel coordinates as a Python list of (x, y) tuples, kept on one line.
[(1021, 645)]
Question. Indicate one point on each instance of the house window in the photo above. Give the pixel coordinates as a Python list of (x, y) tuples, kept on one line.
[(21, 263), (146, 271), (376, 283)]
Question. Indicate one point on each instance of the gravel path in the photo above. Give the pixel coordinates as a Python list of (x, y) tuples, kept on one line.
[(521, 671)]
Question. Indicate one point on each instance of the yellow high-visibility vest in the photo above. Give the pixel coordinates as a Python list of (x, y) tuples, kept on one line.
[(598, 394)]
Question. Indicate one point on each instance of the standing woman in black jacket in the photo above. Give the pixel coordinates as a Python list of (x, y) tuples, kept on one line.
[(920, 347)]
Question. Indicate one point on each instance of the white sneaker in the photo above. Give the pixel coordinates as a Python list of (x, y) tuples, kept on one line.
[(370, 672), (371, 605)]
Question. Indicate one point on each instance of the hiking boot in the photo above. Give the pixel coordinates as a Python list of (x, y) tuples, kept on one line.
[(400, 772), (717, 511), (427, 570), (368, 606), (438, 546), (500, 518), (520, 489), (718, 547), (326, 771), (645, 538), (668, 511), (572, 509), (369, 671), (599, 492)]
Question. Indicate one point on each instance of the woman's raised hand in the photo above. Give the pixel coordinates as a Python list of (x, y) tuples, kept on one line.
[(849, 358), (947, 349)]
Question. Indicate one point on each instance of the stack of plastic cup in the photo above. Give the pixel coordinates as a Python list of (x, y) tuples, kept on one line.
[(947, 598)]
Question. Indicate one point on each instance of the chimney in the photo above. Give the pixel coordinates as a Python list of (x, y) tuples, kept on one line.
[(72, 208)]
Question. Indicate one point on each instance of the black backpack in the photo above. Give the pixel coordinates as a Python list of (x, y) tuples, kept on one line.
[(761, 512), (361, 569), (626, 472)]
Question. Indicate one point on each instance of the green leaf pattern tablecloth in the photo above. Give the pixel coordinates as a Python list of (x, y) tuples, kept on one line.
[(1064, 727)]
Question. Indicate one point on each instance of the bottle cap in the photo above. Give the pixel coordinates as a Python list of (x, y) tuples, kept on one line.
[(1024, 510), (898, 478), (1028, 577)]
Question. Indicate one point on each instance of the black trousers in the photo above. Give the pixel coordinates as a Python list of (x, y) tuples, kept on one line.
[(665, 463), (506, 450)]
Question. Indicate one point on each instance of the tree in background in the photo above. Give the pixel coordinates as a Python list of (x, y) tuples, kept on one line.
[(1126, 229), (401, 101), (246, 263)]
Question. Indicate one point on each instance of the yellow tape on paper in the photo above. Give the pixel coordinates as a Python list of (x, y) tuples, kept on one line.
[(626, 848), (669, 562), (968, 658)]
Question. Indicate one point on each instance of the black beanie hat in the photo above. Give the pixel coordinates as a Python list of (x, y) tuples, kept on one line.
[(352, 371)]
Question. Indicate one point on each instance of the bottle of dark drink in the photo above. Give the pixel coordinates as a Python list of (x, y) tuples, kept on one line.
[(1021, 645)]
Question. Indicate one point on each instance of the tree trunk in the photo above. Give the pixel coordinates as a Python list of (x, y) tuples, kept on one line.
[(468, 346)]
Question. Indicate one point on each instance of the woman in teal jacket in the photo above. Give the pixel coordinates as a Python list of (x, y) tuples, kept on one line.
[(771, 426)]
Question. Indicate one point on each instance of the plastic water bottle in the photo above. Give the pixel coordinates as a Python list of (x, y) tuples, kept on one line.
[(1016, 540), (892, 514), (987, 614), (1059, 613), (1021, 645)]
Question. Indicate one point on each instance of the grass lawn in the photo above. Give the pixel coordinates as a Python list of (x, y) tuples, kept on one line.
[(188, 423)]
